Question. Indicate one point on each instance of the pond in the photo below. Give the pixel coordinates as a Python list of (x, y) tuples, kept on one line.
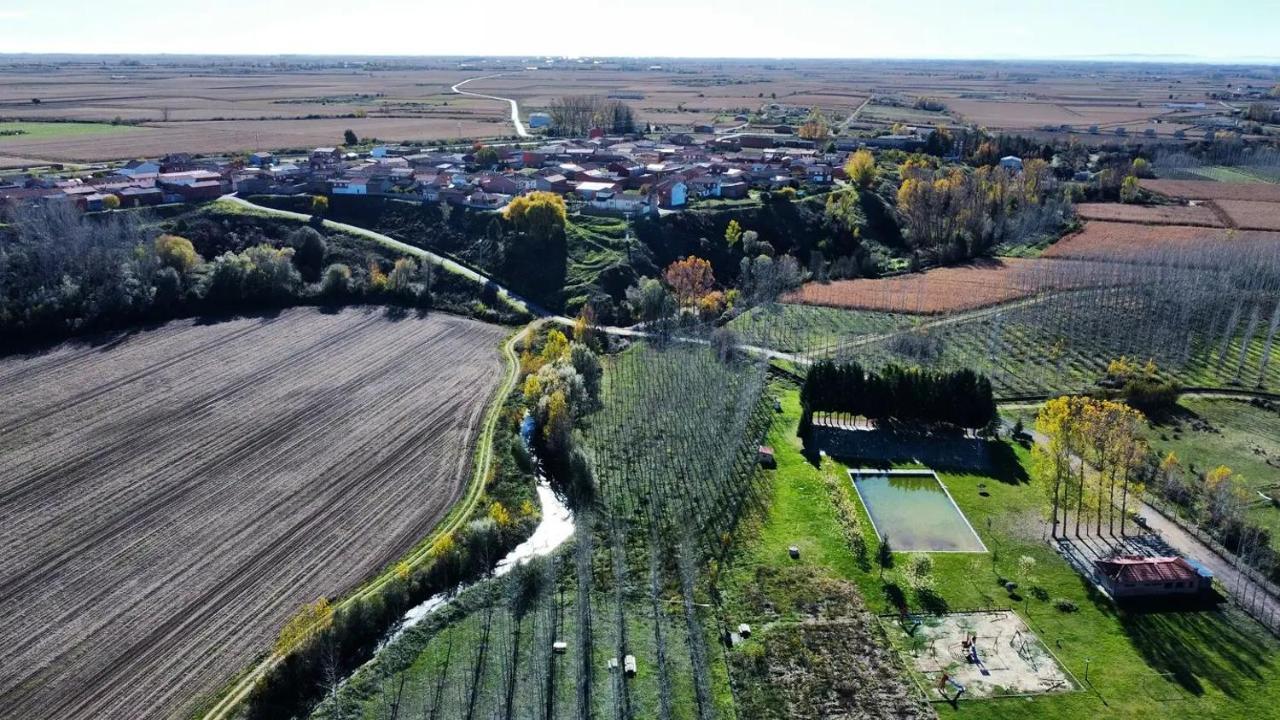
[(915, 511)]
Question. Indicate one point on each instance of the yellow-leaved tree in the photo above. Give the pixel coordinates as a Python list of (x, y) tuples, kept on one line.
[(310, 619), (176, 252), (861, 168)]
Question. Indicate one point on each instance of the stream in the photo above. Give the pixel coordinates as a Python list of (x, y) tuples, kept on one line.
[(555, 527)]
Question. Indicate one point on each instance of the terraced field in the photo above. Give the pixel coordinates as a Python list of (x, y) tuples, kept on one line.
[(170, 499)]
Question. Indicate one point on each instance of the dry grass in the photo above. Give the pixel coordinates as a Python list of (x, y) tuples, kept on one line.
[(1212, 190), (941, 290), (1252, 214), (1111, 241), (1199, 215), (170, 499)]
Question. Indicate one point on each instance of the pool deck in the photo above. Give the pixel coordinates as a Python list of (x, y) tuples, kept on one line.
[(855, 473)]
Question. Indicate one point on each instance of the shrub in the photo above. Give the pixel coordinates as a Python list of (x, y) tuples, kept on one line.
[(1065, 605)]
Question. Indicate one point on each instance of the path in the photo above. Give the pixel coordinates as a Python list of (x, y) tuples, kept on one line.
[(1237, 584), (445, 263), (515, 107)]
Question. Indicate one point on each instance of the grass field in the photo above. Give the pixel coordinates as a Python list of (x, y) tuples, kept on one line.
[(805, 328), (1212, 663), (1246, 438), (594, 244), (171, 497), (28, 131)]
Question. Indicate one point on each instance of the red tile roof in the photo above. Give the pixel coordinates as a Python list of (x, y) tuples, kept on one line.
[(1134, 569)]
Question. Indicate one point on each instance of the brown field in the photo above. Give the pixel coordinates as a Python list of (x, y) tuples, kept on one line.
[(1111, 241), (1252, 214), (410, 99), (1213, 190), (1200, 215), (168, 500), (942, 290)]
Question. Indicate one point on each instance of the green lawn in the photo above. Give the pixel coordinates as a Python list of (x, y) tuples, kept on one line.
[(50, 130), (1210, 664)]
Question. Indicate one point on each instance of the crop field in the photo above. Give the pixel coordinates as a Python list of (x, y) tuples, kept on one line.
[(1252, 214), (170, 498), (1197, 215), (1212, 190), (670, 481), (803, 328), (11, 132), (230, 136), (238, 104), (1113, 241), (941, 290)]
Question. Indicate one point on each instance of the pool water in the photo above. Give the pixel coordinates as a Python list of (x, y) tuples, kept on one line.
[(913, 509)]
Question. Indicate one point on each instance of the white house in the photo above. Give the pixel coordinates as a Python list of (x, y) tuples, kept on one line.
[(1011, 162), (140, 167)]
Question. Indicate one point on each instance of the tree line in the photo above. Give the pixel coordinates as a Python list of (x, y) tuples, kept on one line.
[(63, 272), (961, 398), (577, 115)]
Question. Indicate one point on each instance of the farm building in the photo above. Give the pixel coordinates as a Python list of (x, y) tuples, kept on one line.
[(1011, 162), (539, 119), (1134, 576)]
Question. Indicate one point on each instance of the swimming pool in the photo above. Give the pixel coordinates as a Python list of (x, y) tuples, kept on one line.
[(915, 511)]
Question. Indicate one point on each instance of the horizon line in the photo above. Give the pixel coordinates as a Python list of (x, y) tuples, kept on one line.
[(1132, 58)]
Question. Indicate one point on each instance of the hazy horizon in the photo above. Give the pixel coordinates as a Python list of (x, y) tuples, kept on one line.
[(996, 30)]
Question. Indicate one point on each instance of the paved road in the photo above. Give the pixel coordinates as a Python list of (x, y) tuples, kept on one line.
[(515, 107)]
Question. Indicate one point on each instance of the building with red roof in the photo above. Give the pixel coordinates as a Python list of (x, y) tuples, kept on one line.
[(1135, 576)]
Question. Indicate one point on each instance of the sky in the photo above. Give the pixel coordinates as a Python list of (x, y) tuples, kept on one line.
[(1000, 29)]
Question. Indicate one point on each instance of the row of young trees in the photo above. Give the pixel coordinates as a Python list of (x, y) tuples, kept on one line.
[(1093, 449), (961, 398)]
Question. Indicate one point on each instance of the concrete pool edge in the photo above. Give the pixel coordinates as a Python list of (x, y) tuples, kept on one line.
[(855, 472)]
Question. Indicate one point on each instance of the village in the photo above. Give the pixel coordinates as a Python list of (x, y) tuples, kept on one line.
[(627, 175)]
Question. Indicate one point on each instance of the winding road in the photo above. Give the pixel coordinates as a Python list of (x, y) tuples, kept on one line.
[(515, 107)]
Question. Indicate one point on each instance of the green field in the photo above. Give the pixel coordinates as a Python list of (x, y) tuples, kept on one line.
[(1211, 664), (51, 130), (1246, 438), (808, 328), (594, 245)]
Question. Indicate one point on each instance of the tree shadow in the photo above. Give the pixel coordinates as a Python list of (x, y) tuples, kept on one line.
[(931, 602), (1196, 642), (942, 451)]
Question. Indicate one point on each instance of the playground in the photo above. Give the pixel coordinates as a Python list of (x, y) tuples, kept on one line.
[(974, 655)]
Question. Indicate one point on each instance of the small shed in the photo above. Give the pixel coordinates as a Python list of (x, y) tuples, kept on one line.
[(629, 666)]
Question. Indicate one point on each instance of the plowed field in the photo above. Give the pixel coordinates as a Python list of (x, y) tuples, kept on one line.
[(169, 500), (980, 284), (1212, 190), (1111, 241), (1201, 215)]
